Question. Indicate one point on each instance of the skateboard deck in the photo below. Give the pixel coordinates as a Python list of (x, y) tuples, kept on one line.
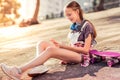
[(105, 53), (110, 57)]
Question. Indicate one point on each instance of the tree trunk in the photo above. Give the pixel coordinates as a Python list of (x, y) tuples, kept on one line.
[(33, 20), (101, 5), (94, 5)]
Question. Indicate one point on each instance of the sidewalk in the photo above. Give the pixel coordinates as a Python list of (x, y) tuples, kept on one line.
[(18, 47), (108, 29)]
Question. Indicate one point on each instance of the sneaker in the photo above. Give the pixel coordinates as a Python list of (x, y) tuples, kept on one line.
[(11, 72), (39, 70)]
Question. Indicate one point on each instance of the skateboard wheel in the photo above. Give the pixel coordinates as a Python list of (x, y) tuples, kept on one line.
[(110, 63)]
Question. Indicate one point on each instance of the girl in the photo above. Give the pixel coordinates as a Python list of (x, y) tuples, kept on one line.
[(79, 44)]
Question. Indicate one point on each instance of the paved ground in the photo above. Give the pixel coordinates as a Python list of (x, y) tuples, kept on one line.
[(108, 39), (98, 71), (17, 46)]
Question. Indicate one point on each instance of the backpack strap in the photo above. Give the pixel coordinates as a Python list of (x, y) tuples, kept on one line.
[(83, 25)]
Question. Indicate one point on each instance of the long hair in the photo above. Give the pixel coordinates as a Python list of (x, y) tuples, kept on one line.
[(75, 6)]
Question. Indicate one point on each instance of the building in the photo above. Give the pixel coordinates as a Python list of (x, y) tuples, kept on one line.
[(54, 8), (50, 9)]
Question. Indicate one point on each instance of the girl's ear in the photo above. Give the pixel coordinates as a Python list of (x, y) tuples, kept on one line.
[(77, 11)]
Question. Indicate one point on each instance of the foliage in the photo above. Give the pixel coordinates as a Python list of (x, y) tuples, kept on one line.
[(32, 20), (8, 10)]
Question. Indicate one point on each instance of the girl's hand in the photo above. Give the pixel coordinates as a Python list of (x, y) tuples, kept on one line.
[(57, 44)]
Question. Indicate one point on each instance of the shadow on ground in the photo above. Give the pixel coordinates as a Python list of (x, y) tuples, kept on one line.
[(72, 72)]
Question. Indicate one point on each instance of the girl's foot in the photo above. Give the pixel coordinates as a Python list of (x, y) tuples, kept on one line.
[(86, 61), (12, 72), (37, 71)]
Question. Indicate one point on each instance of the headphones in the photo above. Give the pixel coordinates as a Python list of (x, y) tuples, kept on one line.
[(77, 26)]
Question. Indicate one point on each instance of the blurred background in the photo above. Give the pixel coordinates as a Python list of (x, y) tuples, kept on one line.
[(24, 23), (28, 12)]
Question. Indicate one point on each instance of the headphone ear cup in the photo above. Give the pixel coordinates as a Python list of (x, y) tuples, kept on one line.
[(72, 27), (76, 27)]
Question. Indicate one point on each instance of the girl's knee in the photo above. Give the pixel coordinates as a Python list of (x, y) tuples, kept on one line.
[(51, 50), (41, 43)]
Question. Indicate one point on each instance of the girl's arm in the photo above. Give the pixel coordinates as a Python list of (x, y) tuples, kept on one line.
[(84, 49)]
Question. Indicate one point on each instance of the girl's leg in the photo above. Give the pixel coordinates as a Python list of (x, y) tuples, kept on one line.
[(52, 52), (41, 46), (14, 72)]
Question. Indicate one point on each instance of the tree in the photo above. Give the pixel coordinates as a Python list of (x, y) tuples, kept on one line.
[(8, 8), (33, 20), (101, 5), (94, 4), (98, 5)]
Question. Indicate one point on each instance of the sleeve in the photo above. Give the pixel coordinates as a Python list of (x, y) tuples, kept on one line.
[(88, 30)]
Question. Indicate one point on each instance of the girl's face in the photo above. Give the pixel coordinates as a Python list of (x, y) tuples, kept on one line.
[(72, 15)]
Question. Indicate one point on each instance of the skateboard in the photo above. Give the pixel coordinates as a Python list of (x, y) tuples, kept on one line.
[(110, 57)]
